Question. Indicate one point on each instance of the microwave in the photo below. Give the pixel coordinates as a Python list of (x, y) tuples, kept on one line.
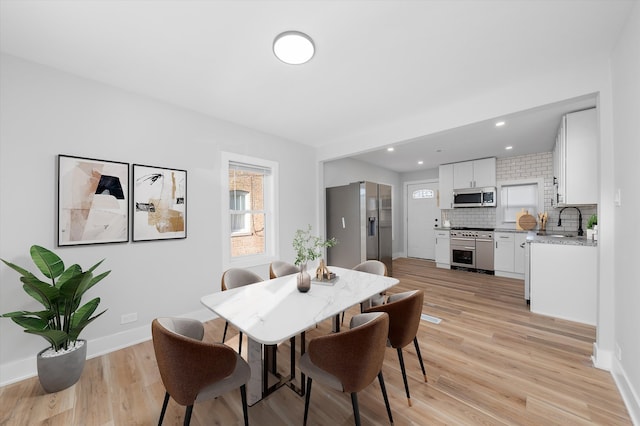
[(474, 197)]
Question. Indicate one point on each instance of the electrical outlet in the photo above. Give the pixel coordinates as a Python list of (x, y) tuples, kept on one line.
[(618, 352), (127, 318)]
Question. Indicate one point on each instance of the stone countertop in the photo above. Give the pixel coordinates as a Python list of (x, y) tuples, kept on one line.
[(566, 241)]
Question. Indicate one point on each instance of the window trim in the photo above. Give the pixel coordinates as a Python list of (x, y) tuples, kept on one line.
[(271, 203), (500, 220)]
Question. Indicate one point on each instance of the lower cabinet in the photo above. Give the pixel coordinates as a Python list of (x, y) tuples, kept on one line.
[(564, 281), (443, 249), (509, 254)]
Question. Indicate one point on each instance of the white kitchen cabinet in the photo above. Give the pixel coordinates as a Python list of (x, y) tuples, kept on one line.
[(519, 255), (445, 182), (564, 281), (443, 249), (575, 162), (509, 254), (503, 252), (474, 174)]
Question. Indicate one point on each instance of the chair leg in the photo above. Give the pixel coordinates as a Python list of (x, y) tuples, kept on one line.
[(240, 344), (187, 415), (404, 375), (424, 372), (307, 397), (164, 408), (356, 409), (245, 412), (224, 335), (384, 395)]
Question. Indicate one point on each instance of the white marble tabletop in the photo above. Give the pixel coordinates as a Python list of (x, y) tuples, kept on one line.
[(273, 311)]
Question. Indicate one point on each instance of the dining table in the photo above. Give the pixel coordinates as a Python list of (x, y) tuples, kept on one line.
[(274, 311)]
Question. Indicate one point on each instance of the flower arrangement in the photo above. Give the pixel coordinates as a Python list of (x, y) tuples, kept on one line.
[(309, 247)]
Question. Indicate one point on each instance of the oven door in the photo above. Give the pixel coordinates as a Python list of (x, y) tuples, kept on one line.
[(463, 252)]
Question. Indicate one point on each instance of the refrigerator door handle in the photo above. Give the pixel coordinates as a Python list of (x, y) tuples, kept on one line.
[(343, 225)]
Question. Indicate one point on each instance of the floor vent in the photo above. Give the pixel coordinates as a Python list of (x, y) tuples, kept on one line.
[(429, 318)]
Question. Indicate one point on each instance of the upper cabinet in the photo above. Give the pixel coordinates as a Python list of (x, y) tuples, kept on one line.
[(474, 174), (445, 181), (575, 159)]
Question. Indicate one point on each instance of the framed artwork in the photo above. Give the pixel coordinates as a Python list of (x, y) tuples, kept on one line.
[(159, 203), (93, 201)]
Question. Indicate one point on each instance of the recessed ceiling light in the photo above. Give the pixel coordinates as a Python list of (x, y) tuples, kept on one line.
[(391, 149), (508, 147), (293, 47), (500, 123), (421, 162)]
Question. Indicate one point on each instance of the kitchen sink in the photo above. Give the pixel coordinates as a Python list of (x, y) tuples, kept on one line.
[(544, 234)]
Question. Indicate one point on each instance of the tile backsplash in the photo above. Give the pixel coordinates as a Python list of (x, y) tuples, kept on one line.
[(522, 167)]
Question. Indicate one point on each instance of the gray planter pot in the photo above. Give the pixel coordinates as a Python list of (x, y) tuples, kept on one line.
[(62, 371)]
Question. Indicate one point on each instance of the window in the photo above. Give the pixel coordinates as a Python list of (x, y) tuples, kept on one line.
[(518, 196), (249, 202), (422, 193)]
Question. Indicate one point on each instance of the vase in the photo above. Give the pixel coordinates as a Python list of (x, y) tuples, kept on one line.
[(61, 371), (303, 279)]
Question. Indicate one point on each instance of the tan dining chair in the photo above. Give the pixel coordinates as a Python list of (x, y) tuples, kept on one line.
[(350, 360), (234, 278), (192, 370), (404, 311), (373, 267), (278, 268)]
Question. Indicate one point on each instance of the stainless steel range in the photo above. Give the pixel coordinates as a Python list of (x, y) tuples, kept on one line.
[(472, 248)]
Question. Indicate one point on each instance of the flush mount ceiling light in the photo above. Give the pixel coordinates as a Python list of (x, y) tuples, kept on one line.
[(508, 147), (391, 149), (293, 47), (500, 123)]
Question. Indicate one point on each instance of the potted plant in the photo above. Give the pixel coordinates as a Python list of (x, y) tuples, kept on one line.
[(63, 317), (592, 227), (308, 247)]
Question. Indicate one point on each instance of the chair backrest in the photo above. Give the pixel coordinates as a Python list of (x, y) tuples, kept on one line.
[(186, 364), (372, 267), (237, 277), (404, 311), (353, 356), (279, 268)]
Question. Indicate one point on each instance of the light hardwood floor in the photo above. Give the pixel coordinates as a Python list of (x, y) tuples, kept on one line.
[(490, 361)]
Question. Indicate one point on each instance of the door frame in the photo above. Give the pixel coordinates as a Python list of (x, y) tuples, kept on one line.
[(405, 196)]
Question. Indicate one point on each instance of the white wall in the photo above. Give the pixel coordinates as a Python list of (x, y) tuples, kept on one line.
[(347, 170), (626, 131), (46, 112)]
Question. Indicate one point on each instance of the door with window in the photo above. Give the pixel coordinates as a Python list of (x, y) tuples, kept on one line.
[(422, 214)]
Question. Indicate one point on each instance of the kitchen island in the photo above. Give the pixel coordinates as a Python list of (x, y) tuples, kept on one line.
[(564, 277)]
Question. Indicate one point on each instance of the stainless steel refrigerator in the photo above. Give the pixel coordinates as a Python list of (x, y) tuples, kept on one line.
[(359, 216)]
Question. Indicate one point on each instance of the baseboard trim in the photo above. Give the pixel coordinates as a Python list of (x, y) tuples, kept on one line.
[(629, 394), (15, 371)]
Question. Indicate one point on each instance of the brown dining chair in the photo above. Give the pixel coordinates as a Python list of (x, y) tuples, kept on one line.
[(234, 278), (404, 311), (350, 360), (192, 370), (278, 268)]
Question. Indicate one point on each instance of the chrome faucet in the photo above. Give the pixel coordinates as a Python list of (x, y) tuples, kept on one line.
[(580, 231)]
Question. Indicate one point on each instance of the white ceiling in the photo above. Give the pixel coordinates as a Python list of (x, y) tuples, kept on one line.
[(376, 61)]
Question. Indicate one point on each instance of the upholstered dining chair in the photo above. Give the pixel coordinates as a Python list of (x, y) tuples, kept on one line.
[(373, 267), (404, 311), (193, 370), (233, 278), (278, 268), (350, 360)]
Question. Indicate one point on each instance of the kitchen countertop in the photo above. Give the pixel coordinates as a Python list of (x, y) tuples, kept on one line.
[(570, 238)]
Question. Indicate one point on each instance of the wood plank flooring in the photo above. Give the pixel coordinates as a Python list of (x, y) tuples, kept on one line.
[(490, 362)]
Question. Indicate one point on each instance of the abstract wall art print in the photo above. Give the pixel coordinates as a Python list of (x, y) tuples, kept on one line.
[(93, 201), (159, 203)]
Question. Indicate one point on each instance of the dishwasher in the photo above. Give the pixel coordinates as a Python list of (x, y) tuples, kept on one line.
[(484, 251)]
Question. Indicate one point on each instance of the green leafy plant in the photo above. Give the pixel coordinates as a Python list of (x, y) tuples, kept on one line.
[(62, 319), (593, 220), (309, 247)]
